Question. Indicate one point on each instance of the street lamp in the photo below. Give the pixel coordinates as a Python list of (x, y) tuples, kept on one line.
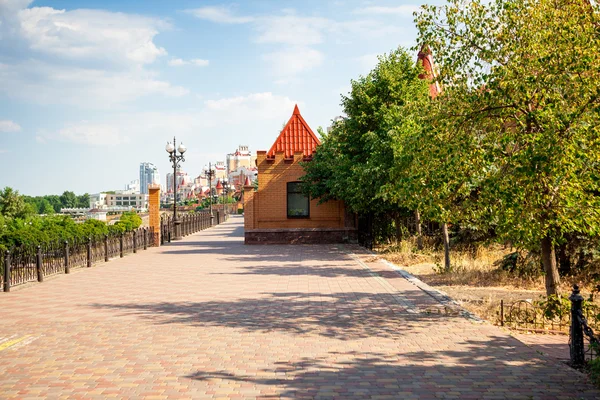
[(210, 173), (175, 159), (224, 182)]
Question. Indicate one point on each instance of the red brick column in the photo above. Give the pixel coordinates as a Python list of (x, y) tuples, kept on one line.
[(154, 209)]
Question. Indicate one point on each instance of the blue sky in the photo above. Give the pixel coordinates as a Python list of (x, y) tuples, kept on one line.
[(89, 89)]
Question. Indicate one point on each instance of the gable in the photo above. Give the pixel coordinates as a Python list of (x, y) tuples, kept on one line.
[(295, 137)]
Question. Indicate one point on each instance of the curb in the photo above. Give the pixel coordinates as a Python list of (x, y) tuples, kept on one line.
[(438, 295)]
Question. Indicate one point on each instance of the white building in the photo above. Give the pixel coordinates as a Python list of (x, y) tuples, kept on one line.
[(98, 201), (136, 200)]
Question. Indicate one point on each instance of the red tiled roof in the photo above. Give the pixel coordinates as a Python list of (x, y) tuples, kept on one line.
[(295, 137), (219, 185), (426, 59), (247, 182)]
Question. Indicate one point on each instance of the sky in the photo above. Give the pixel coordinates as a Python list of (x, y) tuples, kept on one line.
[(89, 89)]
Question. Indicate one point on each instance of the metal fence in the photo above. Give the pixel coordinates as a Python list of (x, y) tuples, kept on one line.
[(584, 344), (189, 224), (32, 263), (25, 264)]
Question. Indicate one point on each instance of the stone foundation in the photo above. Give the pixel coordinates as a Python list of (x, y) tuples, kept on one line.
[(300, 236)]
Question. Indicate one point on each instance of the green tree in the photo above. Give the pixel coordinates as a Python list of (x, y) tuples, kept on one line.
[(12, 204), (130, 220), (520, 114), (353, 162), (45, 207), (68, 200), (83, 201)]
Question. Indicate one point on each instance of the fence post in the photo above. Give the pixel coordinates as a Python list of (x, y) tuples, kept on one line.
[(121, 245), (89, 252), (576, 331), (501, 312), (38, 264), (134, 242), (218, 217), (105, 248), (67, 267), (7, 271), (145, 238)]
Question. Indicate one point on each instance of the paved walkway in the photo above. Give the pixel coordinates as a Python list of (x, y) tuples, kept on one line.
[(208, 317)]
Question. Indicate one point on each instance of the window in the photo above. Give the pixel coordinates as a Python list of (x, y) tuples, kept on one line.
[(119, 198), (298, 205), (119, 203)]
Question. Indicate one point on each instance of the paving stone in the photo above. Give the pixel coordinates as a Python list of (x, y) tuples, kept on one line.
[(208, 317)]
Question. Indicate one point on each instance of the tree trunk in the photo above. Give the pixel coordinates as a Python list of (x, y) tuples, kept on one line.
[(398, 229), (419, 233), (446, 247), (549, 262)]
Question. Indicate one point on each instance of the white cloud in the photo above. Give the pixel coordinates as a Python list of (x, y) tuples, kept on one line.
[(223, 15), (87, 34), (9, 126), (248, 111), (405, 10), (84, 58), (178, 62), (92, 88), (292, 61)]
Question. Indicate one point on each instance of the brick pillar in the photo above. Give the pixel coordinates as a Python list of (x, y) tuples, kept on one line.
[(250, 199), (154, 209)]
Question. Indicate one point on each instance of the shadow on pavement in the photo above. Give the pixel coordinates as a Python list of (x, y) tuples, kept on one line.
[(498, 368), (343, 316)]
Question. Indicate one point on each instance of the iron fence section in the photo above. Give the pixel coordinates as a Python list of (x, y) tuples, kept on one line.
[(113, 246), (127, 242), (23, 265), (31, 263), (53, 258), (97, 250), (78, 253)]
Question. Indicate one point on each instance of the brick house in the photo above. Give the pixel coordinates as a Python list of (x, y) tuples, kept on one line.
[(278, 212)]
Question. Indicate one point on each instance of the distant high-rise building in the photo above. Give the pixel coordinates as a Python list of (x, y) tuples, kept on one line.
[(148, 175)]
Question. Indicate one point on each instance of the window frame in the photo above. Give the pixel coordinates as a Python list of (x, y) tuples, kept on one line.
[(287, 200)]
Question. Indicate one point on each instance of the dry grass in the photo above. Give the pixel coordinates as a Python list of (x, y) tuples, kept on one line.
[(474, 280)]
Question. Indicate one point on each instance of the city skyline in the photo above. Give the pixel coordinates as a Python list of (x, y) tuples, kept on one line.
[(93, 88)]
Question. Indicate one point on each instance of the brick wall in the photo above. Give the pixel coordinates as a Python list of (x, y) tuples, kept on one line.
[(267, 208), (154, 210)]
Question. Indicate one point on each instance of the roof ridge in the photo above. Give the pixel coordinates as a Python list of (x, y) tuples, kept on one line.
[(294, 138)]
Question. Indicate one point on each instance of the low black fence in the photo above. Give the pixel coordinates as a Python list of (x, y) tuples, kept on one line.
[(25, 264), (189, 223), (579, 323)]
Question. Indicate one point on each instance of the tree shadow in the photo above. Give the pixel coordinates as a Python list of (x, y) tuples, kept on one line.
[(497, 368), (344, 316)]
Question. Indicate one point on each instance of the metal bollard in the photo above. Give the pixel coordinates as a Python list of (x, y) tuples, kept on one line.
[(105, 248), (67, 267), (38, 264), (89, 252), (7, 271), (121, 245), (577, 350)]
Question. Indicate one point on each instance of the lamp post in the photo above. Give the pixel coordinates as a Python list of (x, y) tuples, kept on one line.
[(225, 185), (175, 159), (209, 175)]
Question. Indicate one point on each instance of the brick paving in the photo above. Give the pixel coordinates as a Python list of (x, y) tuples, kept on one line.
[(208, 317)]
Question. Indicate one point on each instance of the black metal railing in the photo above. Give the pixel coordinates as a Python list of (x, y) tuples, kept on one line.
[(529, 316), (190, 224), (581, 333), (23, 264)]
